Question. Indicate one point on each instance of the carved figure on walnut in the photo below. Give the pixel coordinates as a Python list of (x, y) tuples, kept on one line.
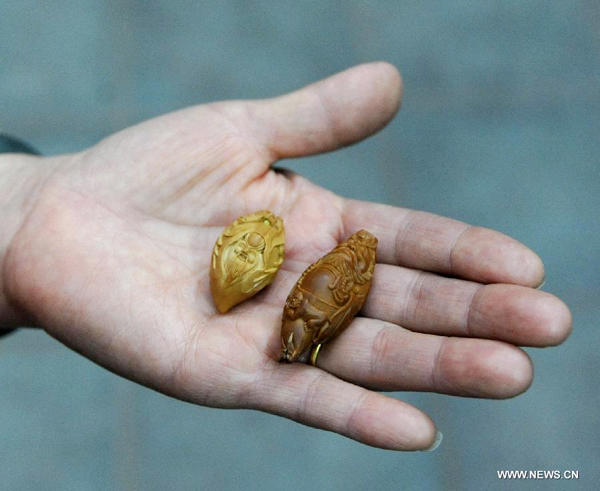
[(327, 296), (246, 258)]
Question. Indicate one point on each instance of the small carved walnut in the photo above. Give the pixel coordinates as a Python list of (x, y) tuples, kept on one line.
[(246, 258), (328, 295)]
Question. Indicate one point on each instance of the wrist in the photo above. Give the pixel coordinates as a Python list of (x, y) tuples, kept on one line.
[(21, 180)]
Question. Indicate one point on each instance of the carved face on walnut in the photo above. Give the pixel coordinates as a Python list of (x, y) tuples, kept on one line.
[(243, 256), (246, 258)]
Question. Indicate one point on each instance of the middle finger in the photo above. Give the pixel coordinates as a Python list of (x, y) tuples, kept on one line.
[(429, 303)]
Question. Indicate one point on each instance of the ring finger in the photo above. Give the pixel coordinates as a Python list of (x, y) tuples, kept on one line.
[(383, 356)]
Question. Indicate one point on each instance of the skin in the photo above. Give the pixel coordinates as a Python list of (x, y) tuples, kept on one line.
[(108, 250)]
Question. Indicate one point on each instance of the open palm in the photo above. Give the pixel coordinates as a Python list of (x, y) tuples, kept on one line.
[(113, 260)]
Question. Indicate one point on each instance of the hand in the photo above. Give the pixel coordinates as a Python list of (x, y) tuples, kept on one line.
[(112, 259)]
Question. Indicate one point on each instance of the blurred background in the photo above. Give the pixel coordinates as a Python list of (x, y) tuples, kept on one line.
[(499, 128)]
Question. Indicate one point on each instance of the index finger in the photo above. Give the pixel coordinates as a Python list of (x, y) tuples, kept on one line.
[(429, 242)]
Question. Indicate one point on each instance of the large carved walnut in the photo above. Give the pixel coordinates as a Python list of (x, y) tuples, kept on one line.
[(246, 258), (328, 295)]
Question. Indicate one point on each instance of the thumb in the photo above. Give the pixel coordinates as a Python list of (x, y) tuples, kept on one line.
[(337, 111)]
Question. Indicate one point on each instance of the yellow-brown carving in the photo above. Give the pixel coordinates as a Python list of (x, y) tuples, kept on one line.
[(328, 295), (246, 258)]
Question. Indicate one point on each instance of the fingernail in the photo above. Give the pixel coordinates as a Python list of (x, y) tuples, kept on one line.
[(436, 443), (541, 284)]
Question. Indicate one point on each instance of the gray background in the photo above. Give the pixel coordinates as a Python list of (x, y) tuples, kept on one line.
[(499, 128)]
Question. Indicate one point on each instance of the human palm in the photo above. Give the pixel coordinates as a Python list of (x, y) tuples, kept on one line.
[(113, 260)]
